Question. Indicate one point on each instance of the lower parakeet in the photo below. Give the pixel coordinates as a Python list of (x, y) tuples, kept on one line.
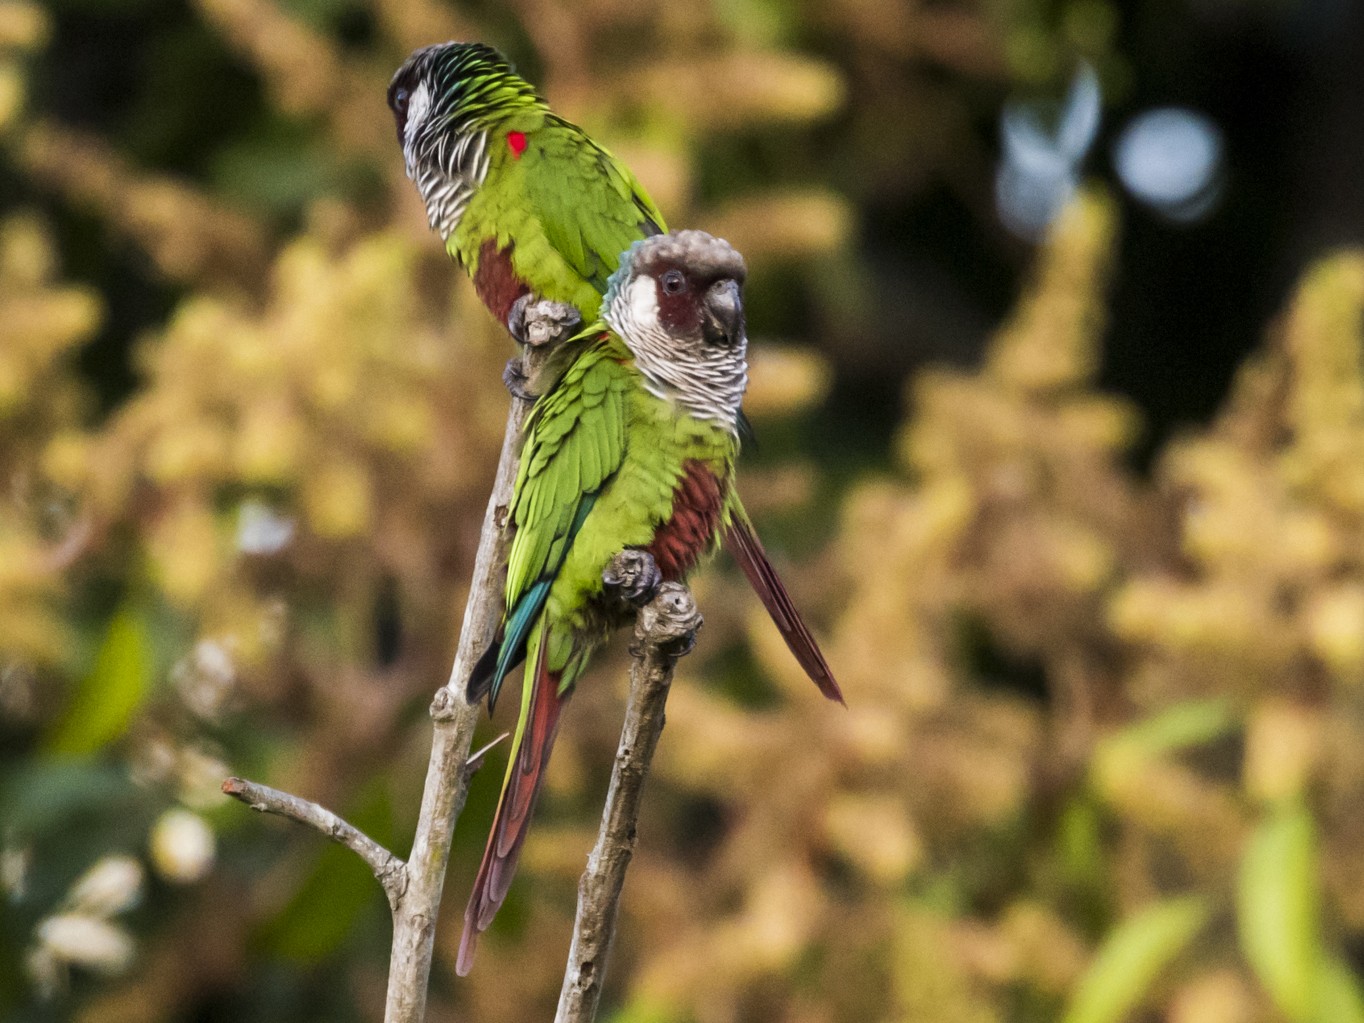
[(634, 447)]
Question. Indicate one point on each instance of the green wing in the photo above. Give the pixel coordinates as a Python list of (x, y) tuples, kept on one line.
[(575, 443), (590, 205)]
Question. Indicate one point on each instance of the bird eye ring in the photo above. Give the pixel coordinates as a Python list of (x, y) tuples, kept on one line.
[(674, 283)]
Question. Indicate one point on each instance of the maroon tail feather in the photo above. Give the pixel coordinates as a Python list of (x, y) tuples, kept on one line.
[(747, 549), (514, 809)]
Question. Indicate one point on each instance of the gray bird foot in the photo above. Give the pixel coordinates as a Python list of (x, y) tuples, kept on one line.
[(536, 322), (516, 381), (633, 577)]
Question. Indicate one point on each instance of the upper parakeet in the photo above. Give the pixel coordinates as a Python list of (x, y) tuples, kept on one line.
[(633, 447), (525, 201)]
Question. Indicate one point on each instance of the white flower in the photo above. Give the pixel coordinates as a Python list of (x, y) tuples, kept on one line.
[(154, 761), (1043, 150), (112, 885), (47, 974), (201, 777), (1171, 159), (261, 530), (206, 677), (14, 864), (82, 940), (182, 846)]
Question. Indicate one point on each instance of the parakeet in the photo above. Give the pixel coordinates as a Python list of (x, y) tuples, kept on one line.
[(633, 447), (524, 200)]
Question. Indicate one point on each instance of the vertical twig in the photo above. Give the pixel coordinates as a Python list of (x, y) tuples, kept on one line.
[(454, 718), (664, 631)]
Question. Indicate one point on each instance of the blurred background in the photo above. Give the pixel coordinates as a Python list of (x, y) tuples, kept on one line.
[(1057, 382)]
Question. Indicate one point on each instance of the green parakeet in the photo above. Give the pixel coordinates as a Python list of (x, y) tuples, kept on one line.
[(634, 447), (525, 201)]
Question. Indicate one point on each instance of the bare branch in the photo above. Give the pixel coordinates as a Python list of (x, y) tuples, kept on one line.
[(664, 632), (414, 889), (454, 718), (387, 868)]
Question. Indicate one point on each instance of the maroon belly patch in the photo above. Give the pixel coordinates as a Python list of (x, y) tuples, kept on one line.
[(495, 280), (680, 542)]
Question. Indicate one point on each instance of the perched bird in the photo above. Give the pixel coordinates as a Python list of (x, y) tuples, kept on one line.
[(530, 206), (633, 448)]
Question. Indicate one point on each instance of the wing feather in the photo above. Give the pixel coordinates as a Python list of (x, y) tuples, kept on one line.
[(593, 207), (572, 448)]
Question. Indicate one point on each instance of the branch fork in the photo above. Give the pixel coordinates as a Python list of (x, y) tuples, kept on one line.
[(665, 631)]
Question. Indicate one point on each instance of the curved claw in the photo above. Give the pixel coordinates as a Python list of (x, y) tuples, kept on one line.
[(633, 577), (515, 379), (536, 321)]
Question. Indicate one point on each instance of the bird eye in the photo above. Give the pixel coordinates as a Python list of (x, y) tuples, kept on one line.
[(674, 283), (398, 101)]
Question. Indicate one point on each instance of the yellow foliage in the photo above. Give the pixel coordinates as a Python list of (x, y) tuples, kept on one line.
[(730, 90), (785, 225), (189, 236), (44, 323), (293, 492)]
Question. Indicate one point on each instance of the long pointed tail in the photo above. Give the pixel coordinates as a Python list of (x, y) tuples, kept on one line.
[(530, 755), (748, 551)]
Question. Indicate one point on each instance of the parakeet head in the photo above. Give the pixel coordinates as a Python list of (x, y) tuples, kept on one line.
[(444, 99), (676, 301)]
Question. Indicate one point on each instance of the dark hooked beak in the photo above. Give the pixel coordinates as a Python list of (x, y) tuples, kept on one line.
[(722, 320)]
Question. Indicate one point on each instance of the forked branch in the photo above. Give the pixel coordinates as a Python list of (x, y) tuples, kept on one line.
[(665, 631)]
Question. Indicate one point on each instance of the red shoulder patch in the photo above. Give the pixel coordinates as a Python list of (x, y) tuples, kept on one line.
[(516, 140), (495, 280), (697, 504)]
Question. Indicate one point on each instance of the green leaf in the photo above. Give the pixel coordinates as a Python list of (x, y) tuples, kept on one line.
[(1339, 999), (1083, 864), (1187, 724), (106, 702), (1191, 723), (1132, 957), (646, 1010), (43, 796), (1278, 909), (1079, 841)]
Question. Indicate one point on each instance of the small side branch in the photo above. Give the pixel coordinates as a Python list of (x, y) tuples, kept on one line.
[(388, 869), (664, 632)]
